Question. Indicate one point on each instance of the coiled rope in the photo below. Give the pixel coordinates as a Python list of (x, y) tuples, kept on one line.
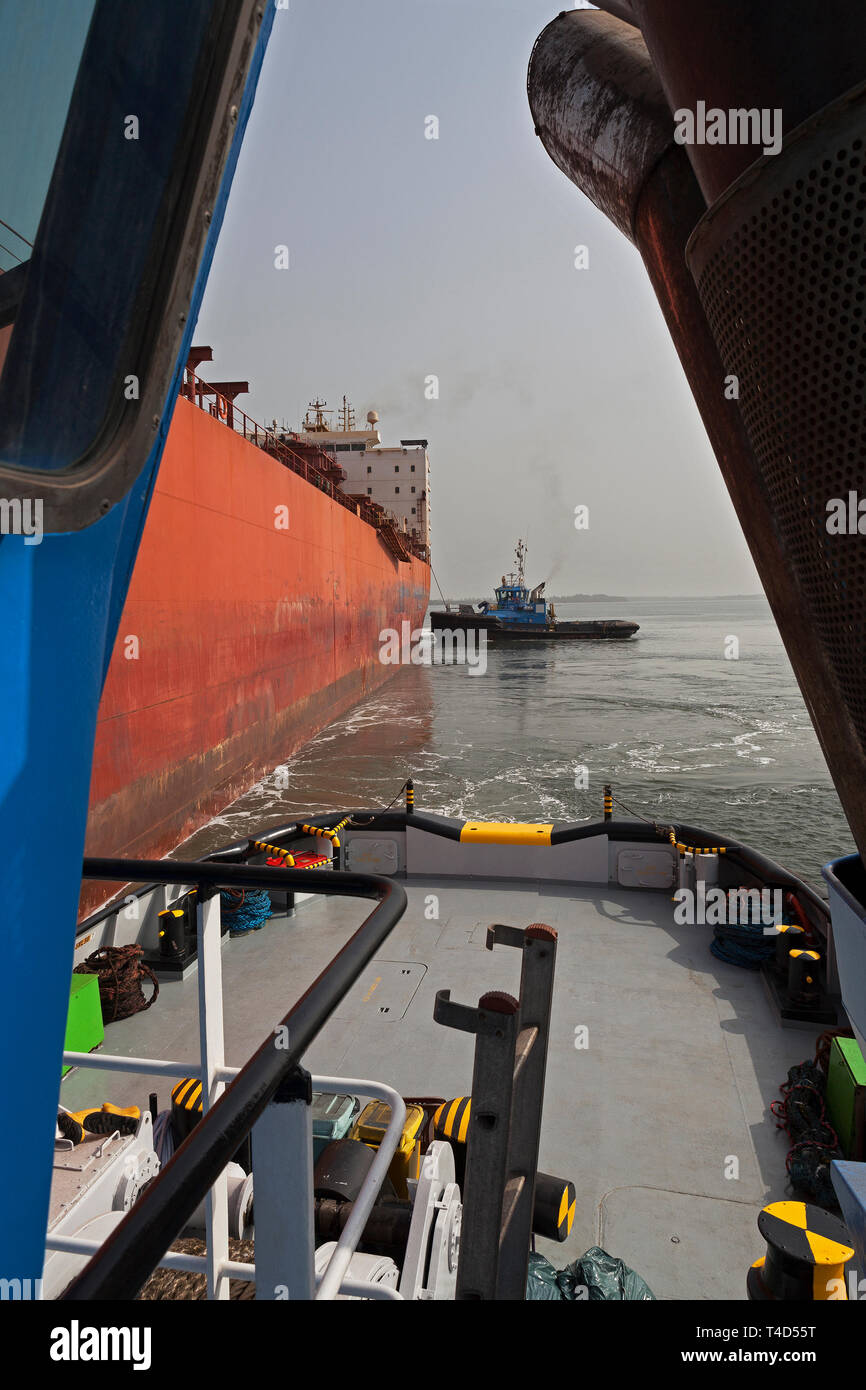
[(246, 909), (801, 1113), (744, 945), (121, 970)]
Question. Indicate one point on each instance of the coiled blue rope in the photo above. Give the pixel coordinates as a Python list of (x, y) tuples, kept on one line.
[(245, 909), (746, 946)]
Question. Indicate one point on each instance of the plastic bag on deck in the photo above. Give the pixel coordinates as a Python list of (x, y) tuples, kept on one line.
[(595, 1277), (604, 1277), (541, 1281)]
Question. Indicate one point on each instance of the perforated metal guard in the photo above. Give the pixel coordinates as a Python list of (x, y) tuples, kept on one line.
[(780, 267)]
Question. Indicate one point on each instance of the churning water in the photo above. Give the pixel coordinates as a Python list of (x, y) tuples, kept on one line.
[(681, 732)]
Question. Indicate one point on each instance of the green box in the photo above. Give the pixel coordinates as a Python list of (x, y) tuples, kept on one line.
[(332, 1118), (846, 1095), (84, 1030)]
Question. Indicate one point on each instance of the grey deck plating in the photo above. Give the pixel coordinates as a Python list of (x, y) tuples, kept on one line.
[(670, 1094)]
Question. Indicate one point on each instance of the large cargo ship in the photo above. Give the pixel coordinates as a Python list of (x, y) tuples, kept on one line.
[(270, 562)]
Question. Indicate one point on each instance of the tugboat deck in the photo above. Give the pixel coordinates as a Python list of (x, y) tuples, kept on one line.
[(669, 1096)]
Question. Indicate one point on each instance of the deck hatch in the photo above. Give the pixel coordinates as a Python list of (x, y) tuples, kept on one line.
[(383, 992)]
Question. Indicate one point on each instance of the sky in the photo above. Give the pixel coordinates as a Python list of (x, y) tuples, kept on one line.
[(410, 257)]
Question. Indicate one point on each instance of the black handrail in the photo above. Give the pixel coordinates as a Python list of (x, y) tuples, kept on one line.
[(133, 1250)]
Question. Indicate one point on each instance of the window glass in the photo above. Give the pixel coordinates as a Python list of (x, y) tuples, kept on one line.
[(40, 49)]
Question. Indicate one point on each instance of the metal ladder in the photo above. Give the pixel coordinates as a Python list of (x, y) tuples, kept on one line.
[(511, 1039)]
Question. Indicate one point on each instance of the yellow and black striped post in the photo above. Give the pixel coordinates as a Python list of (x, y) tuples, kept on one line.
[(803, 975), (807, 1251), (186, 1106), (790, 936), (171, 934), (410, 797), (555, 1198), (553, 1212), (451, 1122), (608, 802), (186, 1111)]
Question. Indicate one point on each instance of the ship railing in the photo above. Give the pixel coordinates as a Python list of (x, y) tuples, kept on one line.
[(269, 1097), (273, 442)]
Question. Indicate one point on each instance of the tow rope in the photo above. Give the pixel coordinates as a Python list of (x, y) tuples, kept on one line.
[(121, 970)]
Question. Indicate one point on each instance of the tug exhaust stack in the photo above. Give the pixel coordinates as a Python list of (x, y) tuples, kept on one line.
[(759, 264)]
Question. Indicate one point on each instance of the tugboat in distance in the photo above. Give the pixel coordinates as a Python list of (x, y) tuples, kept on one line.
[(521, 614)]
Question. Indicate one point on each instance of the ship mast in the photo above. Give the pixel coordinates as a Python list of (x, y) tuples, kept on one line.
[(520, 557), (347, 417), (318, 424)]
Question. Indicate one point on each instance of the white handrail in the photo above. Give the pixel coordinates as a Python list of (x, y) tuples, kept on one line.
[(146, 1066), (334, 1274), (218, 1268)]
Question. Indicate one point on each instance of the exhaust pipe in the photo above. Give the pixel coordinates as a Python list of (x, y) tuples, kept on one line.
[(763, 294)]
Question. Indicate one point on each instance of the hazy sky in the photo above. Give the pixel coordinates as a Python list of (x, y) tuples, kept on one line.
[(455, 257)]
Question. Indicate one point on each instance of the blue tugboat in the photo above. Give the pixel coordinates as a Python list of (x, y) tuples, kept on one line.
[(520, 613)]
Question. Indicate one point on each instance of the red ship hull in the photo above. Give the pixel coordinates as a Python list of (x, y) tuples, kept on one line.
[(241, 637)]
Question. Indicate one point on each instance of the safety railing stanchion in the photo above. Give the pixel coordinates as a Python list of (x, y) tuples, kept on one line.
[(212, 1044), (283, 1186), (127, 1256)]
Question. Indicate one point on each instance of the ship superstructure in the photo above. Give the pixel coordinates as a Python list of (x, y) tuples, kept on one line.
[(515, 602), (394, 477)]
